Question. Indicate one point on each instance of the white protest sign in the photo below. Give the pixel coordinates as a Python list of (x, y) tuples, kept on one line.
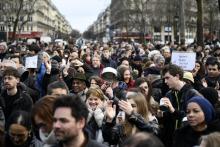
[(31, 62), (186, 60)]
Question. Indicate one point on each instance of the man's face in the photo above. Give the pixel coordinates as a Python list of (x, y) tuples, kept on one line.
[(65, 126), (10, 82), (170, 80), (59, 92), (16, 61), (213, 70), (78, 86), (18, 134), (106, 54), (96, 62), (166, 54)]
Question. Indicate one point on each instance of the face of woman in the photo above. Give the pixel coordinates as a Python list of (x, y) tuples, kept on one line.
[(133, 104), (93, 83), (195, 115), (127, 75), (94, 102), (197, 67), (18, 134), (144, 87)]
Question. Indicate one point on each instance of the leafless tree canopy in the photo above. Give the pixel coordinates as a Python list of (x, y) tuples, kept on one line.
[(17, 13)]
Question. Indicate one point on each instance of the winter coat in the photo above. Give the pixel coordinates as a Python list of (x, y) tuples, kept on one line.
[(94, 125), (114, 133), (30, 82), (21, 101), (89, 143), (108, 62), (171, 121), (97, 71), (187, 137)]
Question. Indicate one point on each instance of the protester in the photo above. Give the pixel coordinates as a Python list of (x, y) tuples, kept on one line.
[(135, 119), (106, 58), (95, 81), (95, 101), (200, 114), (57, 88), (125, 75), (70, 115), (42, 120), (79, 86), (19, 133), (213, 73), (146, 90), (96, 66), (14, 96), (175, 101)]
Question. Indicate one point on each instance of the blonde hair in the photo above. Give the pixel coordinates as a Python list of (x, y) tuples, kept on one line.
[(142, 109), (95, 92)]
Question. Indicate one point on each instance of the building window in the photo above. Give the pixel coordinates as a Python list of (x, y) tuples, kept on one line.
[(29, 18), (1, 18), (27, 28), (2, 28), (157, 29), (31, 28), (1, 6), (157, 37), (21, 18)]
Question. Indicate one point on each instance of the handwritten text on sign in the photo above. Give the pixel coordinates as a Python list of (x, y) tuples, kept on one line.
[(186, 60), (31, 62)]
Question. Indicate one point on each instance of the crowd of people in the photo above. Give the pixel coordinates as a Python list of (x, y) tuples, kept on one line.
[(122, 94)]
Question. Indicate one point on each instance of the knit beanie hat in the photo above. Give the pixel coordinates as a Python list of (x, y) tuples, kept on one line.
[(206, 107)]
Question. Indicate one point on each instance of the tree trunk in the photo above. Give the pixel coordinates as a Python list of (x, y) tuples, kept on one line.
[(200, 22), (21, 4), (219, 5), (14, 30), (182, 23)]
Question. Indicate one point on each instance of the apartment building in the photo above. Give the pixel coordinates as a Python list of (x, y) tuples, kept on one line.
[(44, 20)]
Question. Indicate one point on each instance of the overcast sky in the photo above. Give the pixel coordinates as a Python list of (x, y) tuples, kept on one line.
[(81, 13)]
